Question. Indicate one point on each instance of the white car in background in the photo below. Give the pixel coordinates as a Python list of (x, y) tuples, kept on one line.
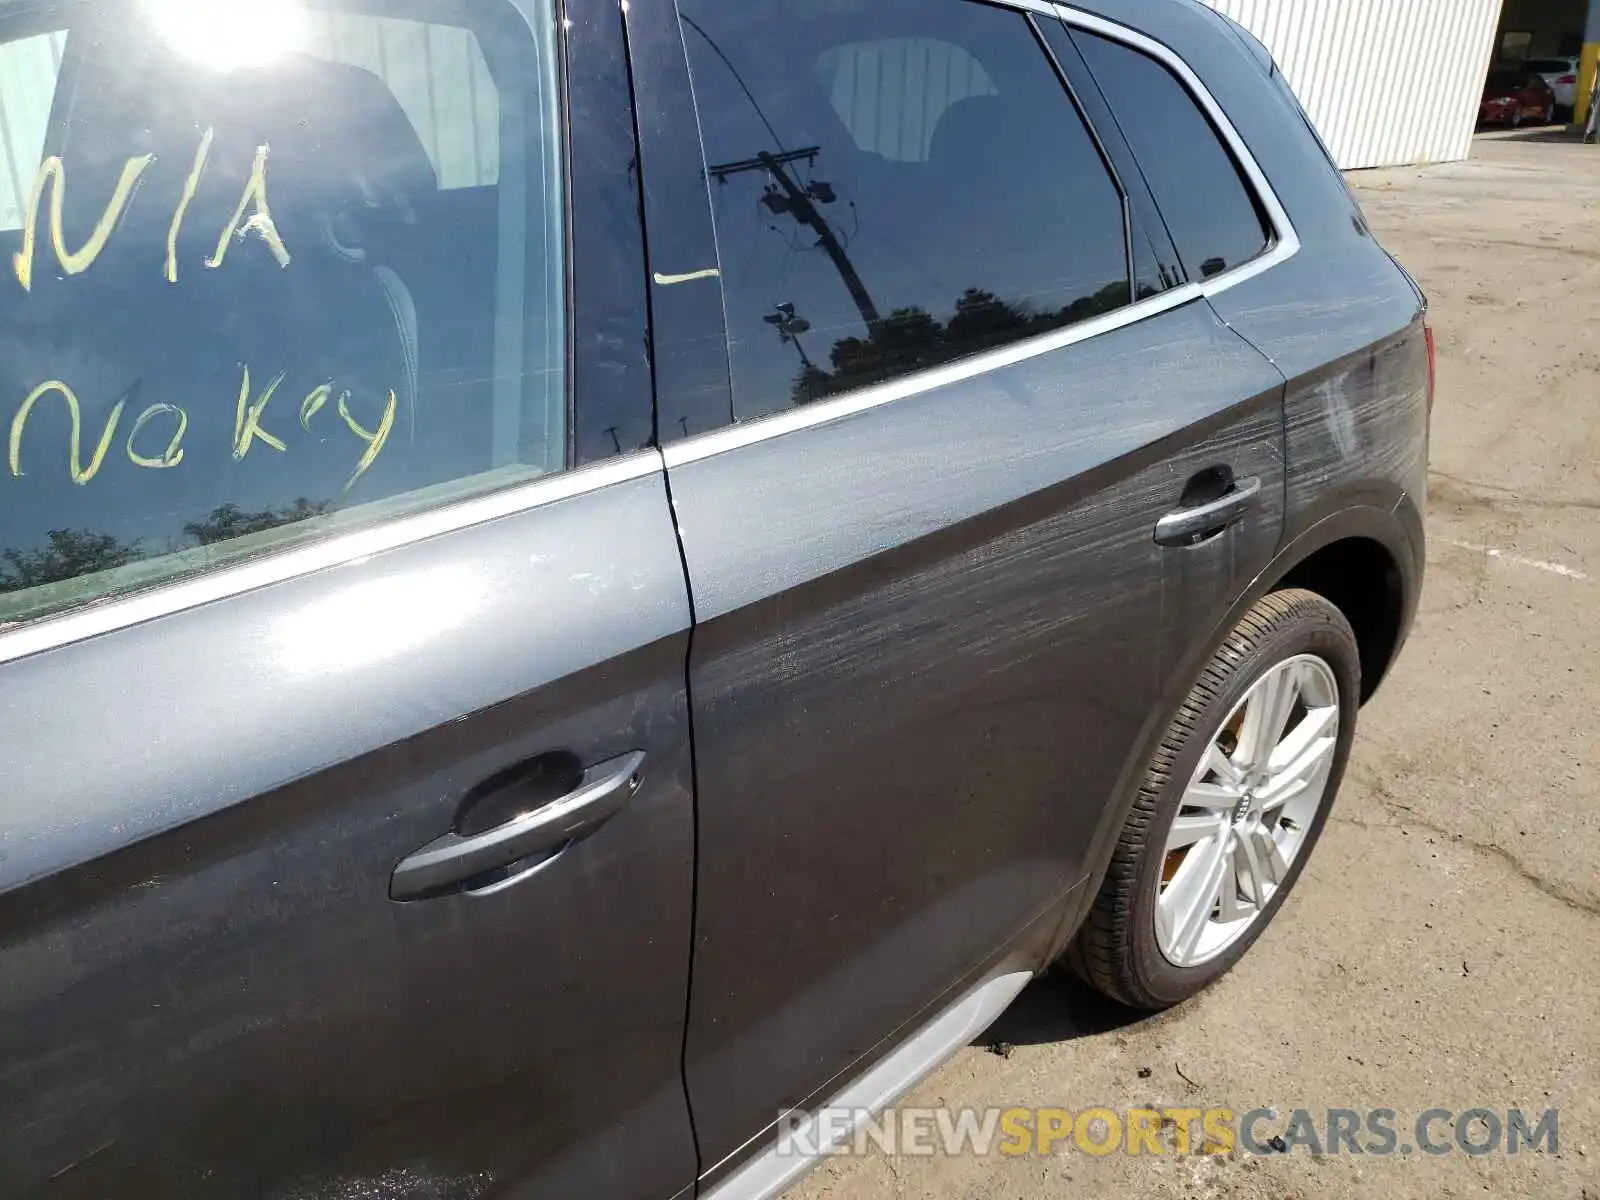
[(1562, 76)]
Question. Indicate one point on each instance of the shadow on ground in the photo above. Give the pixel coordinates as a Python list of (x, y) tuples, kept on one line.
[(1057, 1008)]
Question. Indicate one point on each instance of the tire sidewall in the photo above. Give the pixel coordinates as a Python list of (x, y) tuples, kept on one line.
[(1334, 644)]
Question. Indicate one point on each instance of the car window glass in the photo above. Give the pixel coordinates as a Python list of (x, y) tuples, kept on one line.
[(890, 94), (437, 74), (271, 272), (1209, 210), (896, 184)]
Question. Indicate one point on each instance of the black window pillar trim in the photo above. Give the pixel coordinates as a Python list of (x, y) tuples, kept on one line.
[(693, 379), (608, 329)]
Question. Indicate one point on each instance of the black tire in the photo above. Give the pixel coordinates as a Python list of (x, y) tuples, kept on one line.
[(1116, 950)]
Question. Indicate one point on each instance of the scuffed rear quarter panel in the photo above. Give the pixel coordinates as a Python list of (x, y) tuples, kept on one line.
[(1358, 429)]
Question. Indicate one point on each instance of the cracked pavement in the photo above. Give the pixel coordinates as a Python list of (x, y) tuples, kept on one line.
[(1440, 949)]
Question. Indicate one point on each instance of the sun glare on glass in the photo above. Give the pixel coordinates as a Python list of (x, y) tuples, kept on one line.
[(225, 35)]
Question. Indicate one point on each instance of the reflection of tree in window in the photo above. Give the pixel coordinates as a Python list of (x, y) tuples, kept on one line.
[(230, 521), (67, 553), (910, 339)]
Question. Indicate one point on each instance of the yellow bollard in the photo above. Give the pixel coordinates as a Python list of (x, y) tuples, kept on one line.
[(1586, 71)]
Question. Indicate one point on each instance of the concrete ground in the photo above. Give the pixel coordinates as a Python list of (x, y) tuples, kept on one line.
[(1443, 947)]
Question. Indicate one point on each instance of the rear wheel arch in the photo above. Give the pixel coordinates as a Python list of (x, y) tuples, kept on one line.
[(1382, 550), (1363, 579)]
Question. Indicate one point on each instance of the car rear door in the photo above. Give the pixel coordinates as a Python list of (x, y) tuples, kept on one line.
[(346, 817), (969, 382), (1225, 227)]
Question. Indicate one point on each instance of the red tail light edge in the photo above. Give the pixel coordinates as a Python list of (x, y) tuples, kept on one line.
[(1427, 333)]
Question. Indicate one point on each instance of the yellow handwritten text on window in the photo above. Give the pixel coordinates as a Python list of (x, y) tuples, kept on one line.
[(252, 215), (53, 174), (374, 439), (173, 455), (255, 192), (81, 473), (247, 428), (247, 419)]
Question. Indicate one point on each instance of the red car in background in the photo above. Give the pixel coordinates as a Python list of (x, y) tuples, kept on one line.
[(1512, 97)]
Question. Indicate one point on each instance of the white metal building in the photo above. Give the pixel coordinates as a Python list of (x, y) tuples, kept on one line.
[(1385, 81)]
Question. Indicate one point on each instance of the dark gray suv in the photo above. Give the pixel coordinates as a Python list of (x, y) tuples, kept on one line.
[(576, 577)]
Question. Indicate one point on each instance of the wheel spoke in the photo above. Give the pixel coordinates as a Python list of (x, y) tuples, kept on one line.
[(1266, 714), (1189, 828), (1192, 895), (1278, 793), (1164, 926), (1220, 765), (1230, 908), (1311, 758), (1318, 725), (1256, 871), (1272, 855), (1219, 796)]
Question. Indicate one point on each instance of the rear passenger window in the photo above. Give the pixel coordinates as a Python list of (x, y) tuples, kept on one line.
[(268, 271), (897, 184), (1210, 211)]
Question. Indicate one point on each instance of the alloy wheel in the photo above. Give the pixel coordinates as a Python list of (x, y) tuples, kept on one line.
[(1246, 811)]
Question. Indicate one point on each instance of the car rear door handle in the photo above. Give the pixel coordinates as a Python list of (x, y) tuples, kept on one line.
[(1190, 526), (455, 859)]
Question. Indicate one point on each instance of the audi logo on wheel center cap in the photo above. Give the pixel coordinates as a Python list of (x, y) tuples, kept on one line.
[(1242, 809)]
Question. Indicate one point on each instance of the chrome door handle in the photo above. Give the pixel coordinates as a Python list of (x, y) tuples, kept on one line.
[(1190, 526), (455, 859)]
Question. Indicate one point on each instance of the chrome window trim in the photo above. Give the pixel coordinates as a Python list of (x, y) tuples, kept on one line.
[(279, 566), (759, 429), (1286, 244), (1045, 8)]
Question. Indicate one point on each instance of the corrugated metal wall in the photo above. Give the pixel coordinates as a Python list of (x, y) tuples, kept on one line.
[(1386, 81)]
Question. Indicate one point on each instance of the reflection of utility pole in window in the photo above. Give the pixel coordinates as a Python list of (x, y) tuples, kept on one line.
[(788, 198), (790, 327), (785, 197)]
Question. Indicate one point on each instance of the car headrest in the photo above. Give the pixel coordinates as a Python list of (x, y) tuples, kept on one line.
[(970, 131)]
